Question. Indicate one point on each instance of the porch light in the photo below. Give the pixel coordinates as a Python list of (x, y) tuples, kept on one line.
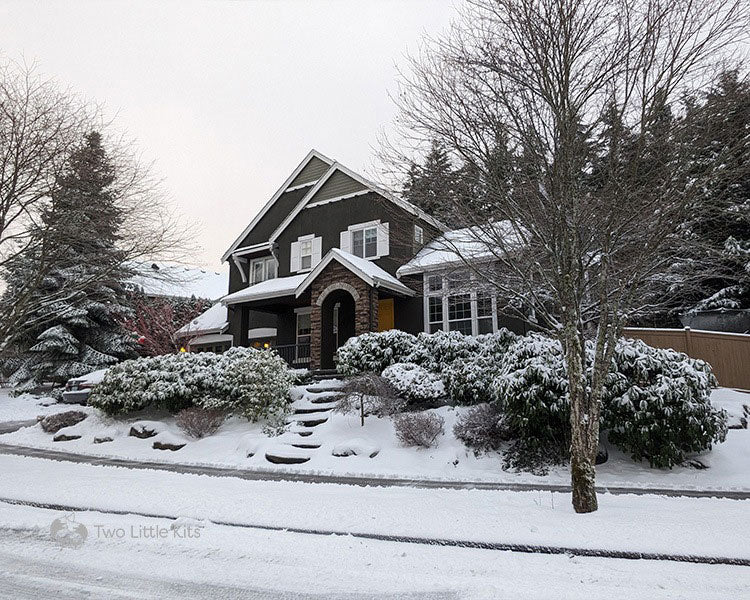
[(183, 349)]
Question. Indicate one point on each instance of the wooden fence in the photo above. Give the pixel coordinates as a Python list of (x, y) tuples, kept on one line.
[(727, 353)]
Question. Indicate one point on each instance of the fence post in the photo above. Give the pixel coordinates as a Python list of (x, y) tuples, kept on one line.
[(688, 342)]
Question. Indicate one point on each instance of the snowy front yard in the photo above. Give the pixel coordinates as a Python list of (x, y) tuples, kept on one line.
[(240, 562), (373, 450)]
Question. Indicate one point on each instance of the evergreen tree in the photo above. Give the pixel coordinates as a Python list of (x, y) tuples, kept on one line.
[(74, 322), (719, 223), (432, 185)]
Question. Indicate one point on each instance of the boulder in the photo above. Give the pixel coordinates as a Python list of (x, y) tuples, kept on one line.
[(65, 437), (167, 445), (101, 439), (602, 455), (144, 430), (355, 447), (54, 423)]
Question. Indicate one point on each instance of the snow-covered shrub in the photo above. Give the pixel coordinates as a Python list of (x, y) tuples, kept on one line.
[(171, 382), (370, 394), (436, 351), (481, 428), (469, 380), (657, 404), (199, 422), (419, 429), (251, 382), (373, 352), (415, 384), (254, 383), (531, 391)]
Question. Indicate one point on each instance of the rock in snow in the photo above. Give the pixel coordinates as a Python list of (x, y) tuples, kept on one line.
[(54, 423), (355, 447), (145, 429)]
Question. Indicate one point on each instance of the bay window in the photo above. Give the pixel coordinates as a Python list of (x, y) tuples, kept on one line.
[(456, 302)]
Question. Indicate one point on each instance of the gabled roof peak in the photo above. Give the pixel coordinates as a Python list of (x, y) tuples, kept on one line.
[(267, 206)]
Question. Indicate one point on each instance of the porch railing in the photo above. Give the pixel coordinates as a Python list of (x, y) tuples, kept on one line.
[(296, 355)]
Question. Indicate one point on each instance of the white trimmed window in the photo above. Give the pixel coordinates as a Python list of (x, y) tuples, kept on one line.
[(262, 269), (366, 240), (418, 236), (304, 334), (305, 253), (456, 302)]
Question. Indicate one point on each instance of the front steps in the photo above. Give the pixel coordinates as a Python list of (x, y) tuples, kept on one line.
[(311, 411)]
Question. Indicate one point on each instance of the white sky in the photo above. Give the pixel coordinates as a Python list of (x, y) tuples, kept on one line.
[(227, 97)]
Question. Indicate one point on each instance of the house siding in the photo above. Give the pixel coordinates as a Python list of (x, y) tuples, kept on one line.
[(338, 184), (329, 220), (314, 170)]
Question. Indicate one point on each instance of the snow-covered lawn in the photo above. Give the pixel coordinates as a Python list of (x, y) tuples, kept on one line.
[(26, 406), (700, 526), (228, 563), (239, 444)]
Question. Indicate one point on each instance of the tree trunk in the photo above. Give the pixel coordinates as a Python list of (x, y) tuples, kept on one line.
[(584, 422)]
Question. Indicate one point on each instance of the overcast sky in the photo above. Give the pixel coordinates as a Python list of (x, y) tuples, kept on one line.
[(227, 97)]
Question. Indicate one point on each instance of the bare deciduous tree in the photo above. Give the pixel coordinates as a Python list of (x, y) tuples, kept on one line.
[(41, 124), (575, 94)]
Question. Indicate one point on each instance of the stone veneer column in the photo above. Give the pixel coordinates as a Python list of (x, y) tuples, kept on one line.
[(336, 276)]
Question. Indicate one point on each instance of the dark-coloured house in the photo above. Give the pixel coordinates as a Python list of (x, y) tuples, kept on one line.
[(332, 255)]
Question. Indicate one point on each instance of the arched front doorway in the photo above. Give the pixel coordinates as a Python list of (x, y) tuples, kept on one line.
[(336, 324)]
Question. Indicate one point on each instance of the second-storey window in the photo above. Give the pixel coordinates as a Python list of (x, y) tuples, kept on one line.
[(305, 254), (365, 242), (262, 269)]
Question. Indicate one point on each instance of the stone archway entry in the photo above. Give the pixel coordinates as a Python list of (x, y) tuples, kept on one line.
[(337, 324)]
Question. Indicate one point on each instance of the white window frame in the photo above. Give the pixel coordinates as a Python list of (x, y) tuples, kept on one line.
[(382, 241), (418, 236), (444, 293), (306, 239), (305, 310), (270, 265), (363, 230)]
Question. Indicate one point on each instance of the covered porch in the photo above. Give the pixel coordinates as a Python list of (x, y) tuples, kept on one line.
[(317, 312)]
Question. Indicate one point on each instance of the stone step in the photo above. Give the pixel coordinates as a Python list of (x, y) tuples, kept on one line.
[(328, 397), (308, 445), (287, 455), (309, 419), (307, 409)]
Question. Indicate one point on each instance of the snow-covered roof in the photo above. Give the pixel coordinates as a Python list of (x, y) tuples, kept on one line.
[(270, 288), (365, 269), (180, 281), (456, 246), (214, 320)]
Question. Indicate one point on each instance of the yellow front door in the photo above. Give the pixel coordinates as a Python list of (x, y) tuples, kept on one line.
[(385, 314)]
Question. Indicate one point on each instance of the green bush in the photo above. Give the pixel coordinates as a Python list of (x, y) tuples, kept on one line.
[(531, 391), (373, 352), (657, 405), (469, 380), (246, 381)]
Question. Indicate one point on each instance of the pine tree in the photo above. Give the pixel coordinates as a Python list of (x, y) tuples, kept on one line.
[(720, 221), (432, 185), (74, 324)]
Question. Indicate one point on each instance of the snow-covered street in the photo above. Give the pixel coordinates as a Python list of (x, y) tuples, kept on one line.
[(240, 561)]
